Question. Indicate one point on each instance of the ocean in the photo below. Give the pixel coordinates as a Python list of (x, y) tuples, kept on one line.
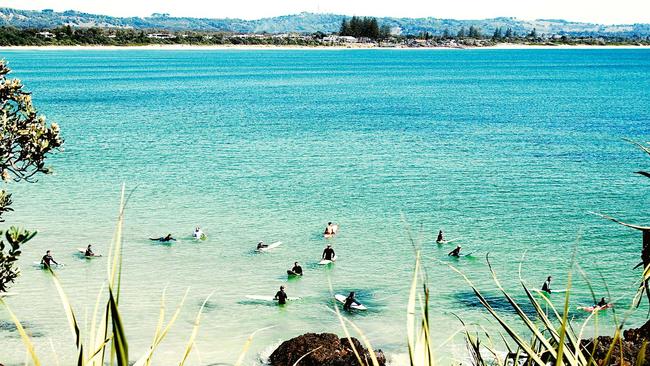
[(508, 150)]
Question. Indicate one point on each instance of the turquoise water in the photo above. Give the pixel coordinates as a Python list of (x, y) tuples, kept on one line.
[(508, 149)]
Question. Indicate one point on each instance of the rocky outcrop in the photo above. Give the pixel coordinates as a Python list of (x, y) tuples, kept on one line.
[(631, 346), (324, 349)]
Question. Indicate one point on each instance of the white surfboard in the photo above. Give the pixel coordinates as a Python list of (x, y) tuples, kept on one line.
[(268, 298), (341, 298), (41, 266), (327, 261), (7, 294), (83, 252), (271, 246)]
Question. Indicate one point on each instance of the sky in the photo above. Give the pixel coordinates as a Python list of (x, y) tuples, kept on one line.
[(597, 11)]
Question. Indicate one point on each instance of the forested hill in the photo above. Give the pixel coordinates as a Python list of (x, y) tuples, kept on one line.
[(308, 23)]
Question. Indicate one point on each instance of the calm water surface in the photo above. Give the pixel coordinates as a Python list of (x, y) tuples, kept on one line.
[(508, 149)]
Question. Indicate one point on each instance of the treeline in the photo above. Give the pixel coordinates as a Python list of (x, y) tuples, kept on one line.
[(363, 27)]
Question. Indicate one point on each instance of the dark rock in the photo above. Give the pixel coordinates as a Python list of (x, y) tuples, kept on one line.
[(629, 347), (333, 351)]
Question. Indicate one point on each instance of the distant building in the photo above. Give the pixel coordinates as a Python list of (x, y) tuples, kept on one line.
[(46, 34), (339, 39), (161, 35)]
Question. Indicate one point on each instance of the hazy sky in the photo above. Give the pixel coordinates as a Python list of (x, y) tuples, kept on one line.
[(600, 11)]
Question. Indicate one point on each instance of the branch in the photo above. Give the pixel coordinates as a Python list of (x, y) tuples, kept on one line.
[(646, 174), (637, 227), (641, 146)]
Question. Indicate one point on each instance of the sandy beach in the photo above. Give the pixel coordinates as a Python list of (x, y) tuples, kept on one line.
[(181, 47)]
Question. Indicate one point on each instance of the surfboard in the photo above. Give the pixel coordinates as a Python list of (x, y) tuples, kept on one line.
[(341, 298), (335, 229), (271, 246), (291, 273), (83, 252), (7, 294), (447, 241), (268, 298), (593, 308), (327, 261), (41, 266)]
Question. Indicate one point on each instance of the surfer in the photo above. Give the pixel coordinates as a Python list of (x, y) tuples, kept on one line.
[(546, 287), (349, 301), (328, 253), (330, 229), (602, 303), (297, 270), (455, 252), (164, 238), (261, 245), (441, 237), (89, 252), (47, 260), (198, 233), (281, 296)]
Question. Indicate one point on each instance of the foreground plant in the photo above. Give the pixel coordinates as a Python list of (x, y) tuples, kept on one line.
[(26, 140)]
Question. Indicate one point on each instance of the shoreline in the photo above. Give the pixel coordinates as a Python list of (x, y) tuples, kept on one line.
[(181, 47)]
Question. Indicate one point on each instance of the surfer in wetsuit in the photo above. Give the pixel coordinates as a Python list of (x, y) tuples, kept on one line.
[(164, 238), (546, 287), (281, 296), (261, 245), (47, 260), (441, 237), (89, 252), (349, 301), (296, 269), (602, 302), (455, 252), (328, 253)]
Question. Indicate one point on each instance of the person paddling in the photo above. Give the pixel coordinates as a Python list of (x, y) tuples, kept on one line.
[(546, 287), (297, 270), (441, 237), (47, 260), (164, 238), (89, 252), (455, 252), (281, 296), (349, 301), (328, 253)]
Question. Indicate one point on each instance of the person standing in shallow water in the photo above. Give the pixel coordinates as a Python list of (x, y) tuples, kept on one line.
[(546, 287), (328, 253), (281, 296), (47, 260)]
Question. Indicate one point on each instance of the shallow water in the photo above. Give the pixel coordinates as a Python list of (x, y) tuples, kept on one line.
[(507, 149)]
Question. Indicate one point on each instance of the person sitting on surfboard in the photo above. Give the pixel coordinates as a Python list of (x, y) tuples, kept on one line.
[(89, 252), (330, 229), (164, 238), (198, 233), (328, 253), (47, 260), (296, 269), (281, 296), (261, 245), (602, 302), (441, 237), (349, 301), (546, 287), (455, 252)]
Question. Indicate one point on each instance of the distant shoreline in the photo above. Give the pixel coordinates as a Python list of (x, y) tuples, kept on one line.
[(180, 47)]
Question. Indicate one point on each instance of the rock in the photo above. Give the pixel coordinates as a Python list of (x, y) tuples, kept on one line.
[(333, 351), (631, 346)]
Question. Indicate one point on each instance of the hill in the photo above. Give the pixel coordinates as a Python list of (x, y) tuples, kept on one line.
[(308, 23)]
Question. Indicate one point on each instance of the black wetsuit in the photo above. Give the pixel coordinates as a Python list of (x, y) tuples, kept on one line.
[(602, 302), (455, 253), (328, 254), (89, 253), (48, 260), (281, 296), (297, 270), (546, 287), (440, 237), (348, 302)]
